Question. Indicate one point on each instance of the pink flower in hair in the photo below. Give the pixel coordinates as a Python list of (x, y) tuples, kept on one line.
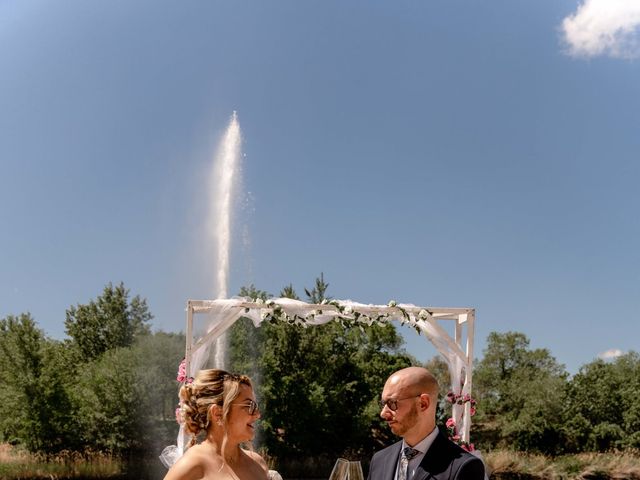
[(182, 371)]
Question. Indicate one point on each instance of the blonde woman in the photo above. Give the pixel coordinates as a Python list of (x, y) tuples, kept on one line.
[(223, 405)]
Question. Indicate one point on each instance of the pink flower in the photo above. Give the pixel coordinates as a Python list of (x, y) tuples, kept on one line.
[(182, 371), (456, 438), (472, 411), (451, 423)]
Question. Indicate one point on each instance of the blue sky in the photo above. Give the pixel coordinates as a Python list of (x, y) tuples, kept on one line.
[(441, 153)]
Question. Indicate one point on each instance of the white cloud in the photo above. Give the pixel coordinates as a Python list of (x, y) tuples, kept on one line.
[(604, 27), (609, 354)]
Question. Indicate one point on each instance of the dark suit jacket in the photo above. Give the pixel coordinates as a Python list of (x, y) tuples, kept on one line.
[(443, 461)]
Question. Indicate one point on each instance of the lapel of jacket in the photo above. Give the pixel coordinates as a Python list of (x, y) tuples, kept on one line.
[(391, 462), (434, 460)]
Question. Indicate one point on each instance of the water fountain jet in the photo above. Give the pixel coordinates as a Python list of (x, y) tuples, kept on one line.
[(225, 178)]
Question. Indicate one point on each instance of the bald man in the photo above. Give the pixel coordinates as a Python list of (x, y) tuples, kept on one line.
[(409, 400)]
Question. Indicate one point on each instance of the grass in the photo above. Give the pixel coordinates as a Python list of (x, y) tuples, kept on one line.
[(17, 464), (594, 466)]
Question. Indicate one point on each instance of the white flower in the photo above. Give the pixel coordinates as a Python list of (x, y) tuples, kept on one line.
[(392, 303), (423, 315), (259, 301), (264, 315), (348, 309)]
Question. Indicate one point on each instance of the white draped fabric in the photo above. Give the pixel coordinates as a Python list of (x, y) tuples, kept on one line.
[(224, 312)]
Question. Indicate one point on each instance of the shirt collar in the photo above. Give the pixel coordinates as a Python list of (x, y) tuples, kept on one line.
[(423, 445)]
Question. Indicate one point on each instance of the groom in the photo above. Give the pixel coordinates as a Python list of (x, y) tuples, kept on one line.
[(409, 400)]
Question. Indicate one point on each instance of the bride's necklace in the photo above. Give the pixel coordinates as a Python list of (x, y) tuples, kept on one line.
[(228, 459)]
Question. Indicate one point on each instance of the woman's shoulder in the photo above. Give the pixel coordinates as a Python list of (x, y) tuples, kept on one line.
[(257, 458), (194, 464)]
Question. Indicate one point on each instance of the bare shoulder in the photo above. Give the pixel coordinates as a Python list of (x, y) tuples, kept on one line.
[(193, 465), (257, 458)]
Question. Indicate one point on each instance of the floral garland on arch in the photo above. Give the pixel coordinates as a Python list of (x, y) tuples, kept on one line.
[(349, 315), (452, 428)]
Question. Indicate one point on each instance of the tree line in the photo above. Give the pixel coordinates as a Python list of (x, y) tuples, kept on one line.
[(110, 386)]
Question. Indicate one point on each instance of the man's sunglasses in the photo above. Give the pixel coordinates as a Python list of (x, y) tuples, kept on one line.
[(392, 403)]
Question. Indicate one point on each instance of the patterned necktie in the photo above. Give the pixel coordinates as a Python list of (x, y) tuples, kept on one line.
[(407, 454)]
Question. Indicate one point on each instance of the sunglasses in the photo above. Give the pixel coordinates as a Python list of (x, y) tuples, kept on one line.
[(392, 403), (251, 406)]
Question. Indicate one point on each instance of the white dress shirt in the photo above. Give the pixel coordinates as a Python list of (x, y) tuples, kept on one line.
[(422, 446)]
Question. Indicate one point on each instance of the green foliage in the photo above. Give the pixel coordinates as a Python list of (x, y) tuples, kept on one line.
[(54, 397), (602, 411), (126, 398), (330, 377), (55, 414), (34, 406), (108, 402), (520, 393), (157, 356), (21, 363), (289, 292), (110, 321), (252, 292), (318, 293), (111, 386), (318, 386), (440, 370)]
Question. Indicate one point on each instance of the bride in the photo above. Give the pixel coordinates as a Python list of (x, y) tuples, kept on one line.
[(223, 405)]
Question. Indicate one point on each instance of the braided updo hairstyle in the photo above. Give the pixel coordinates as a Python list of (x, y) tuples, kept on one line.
[(210, 387)]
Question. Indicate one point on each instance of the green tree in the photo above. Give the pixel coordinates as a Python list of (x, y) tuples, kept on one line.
[(34, 407), (321, 384), (440, 370), (157, 359), (110, 321), (520, 394), (289, 292), (318, 292), (601, 409), (55, 414), (246, 342), (318, 386), (21, 343), (125, 400), (108, 402)]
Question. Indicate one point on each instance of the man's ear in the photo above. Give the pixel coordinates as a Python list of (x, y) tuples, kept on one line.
[(425, 401)]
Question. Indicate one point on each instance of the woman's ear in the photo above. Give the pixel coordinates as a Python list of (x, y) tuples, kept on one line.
[(215, 414)]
